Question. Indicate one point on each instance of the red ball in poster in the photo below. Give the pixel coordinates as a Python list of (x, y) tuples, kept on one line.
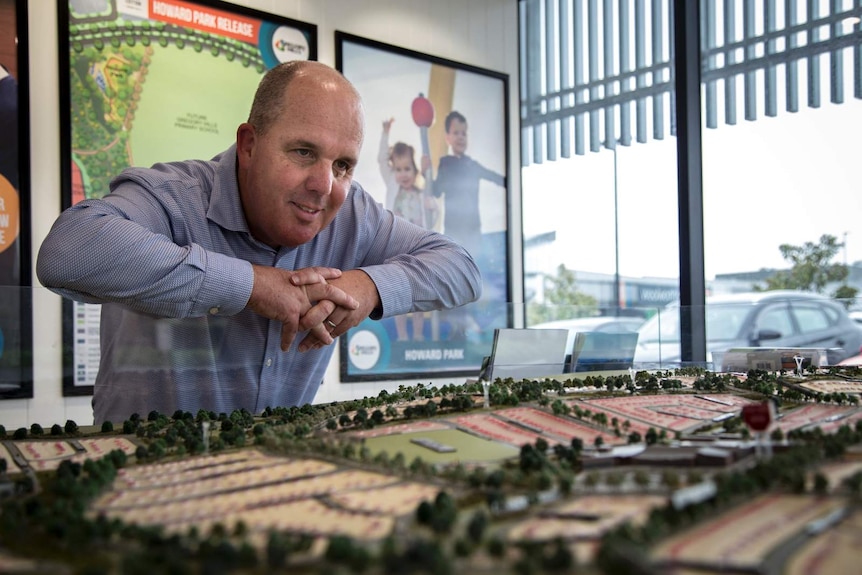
[(423, 111)]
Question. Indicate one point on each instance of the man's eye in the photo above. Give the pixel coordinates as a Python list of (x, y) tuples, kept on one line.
[(342, 168)]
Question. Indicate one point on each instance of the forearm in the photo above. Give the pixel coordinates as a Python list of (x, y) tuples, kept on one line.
[(438, 275), (93, 254), (359, 284), (412, 269)]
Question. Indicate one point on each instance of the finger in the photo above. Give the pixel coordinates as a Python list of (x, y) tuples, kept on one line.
[(289, 327), (332, 326), (316, 338), (315, 275), (316, 314), (341, 322), (306, 277), (328, 273), (329, 292), (338, 331), (321, 334), (308, 342)]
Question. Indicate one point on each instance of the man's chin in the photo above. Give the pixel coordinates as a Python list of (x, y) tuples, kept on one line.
[(295, 240)]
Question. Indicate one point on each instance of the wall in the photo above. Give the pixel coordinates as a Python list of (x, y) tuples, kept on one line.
[(482, 33)]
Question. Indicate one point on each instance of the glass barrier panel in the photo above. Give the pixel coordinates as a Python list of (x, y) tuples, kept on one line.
[(743, 331), (16, 342)]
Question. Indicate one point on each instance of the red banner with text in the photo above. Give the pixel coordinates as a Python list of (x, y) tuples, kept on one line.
[(205, 19)]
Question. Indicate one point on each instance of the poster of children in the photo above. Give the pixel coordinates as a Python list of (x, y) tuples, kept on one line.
[(436, 155)]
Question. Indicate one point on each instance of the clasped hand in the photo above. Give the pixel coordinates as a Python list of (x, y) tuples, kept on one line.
[(308, 300)]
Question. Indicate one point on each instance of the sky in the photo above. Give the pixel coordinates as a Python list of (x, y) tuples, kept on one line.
[(786, 179)]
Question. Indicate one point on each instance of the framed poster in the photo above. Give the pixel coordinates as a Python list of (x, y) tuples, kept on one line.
[(16, 294), (146, 81), (449, 121)]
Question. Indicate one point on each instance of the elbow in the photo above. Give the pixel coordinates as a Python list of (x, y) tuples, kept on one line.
[(475, 279), (477, 290), (45, 266), (51, 261)]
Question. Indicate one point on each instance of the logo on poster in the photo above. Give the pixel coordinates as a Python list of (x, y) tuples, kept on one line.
[(289, 44), (364, 349), (136, 8)]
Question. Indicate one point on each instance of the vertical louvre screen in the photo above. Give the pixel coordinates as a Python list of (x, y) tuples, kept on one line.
[(598, 73)]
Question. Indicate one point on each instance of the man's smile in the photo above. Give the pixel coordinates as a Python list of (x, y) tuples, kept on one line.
[(307, 209)]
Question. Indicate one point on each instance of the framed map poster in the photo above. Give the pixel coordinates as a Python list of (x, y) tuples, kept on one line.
[(16, 296), (454, 115), (146, 81)]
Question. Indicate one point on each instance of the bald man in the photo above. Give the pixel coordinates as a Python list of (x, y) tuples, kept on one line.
[(225, 282)]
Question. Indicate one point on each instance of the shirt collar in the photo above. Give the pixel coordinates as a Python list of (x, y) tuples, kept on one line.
[(225, 207)]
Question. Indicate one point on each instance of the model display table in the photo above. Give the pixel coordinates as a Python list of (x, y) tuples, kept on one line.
[(597, 472)]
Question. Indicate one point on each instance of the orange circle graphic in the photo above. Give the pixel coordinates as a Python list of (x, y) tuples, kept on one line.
[(10, 215)]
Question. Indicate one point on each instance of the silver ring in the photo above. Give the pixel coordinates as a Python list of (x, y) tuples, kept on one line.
[(330, 323)]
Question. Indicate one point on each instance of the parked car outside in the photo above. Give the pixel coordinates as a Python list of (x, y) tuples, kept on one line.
[(779, 318), (602, 324)]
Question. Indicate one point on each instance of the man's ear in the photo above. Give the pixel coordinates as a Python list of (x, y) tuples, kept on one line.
[(245, 140)]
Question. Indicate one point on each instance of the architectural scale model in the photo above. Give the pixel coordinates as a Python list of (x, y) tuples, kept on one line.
[(685, 471)]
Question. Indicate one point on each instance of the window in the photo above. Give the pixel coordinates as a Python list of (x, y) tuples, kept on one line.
[(599, 169), (776, 318), (811, 318), (781, 87)]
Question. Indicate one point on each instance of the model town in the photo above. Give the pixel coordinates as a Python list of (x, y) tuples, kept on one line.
[(684, 471)]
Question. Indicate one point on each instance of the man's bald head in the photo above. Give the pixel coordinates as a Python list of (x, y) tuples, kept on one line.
[(270, 99)]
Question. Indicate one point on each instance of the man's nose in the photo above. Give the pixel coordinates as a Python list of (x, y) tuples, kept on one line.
[(320, 178)]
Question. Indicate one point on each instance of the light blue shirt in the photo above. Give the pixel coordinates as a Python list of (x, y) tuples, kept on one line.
[(169, 254)]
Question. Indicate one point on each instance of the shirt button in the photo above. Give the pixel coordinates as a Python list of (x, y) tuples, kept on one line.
[(268, 362), (214, 310)]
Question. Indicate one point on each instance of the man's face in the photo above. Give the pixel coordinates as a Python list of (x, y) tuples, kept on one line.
[(456, 137), (295, 176)]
